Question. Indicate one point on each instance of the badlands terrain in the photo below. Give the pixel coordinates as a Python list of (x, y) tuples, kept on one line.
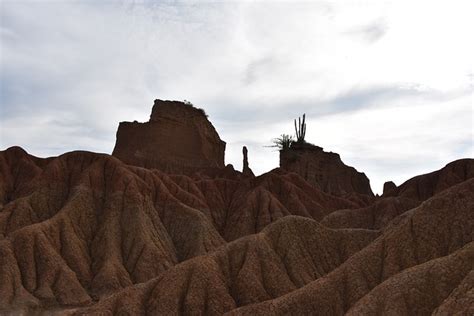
[(163, 227)]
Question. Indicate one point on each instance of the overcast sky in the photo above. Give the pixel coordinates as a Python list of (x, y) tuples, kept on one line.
[(386, 84)]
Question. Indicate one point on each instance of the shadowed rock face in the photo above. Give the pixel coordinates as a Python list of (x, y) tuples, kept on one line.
[(178, 139), (388, 186), (77, 228), (91, 234), (245, 163), (84, 233), (324, 170), (425, 186)]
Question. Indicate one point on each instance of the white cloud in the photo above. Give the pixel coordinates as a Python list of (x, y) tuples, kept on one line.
[(387, 84)]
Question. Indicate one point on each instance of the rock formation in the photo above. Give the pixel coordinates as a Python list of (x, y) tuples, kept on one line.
[(425, 186), (89, 234), (245, 163), (324, 170), (178, 139), (388, 187)]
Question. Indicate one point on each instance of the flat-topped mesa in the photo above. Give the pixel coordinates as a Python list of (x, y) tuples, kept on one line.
[(324, 170), (178, 139)]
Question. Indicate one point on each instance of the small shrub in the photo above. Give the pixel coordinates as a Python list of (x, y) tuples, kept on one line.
[(200, 110), (283, 142)]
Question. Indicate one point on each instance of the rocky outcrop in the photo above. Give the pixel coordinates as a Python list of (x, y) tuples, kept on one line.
[(375, 217), (178, 139), (388, 186), (297, 266), (245, 163), (94, 234), (17, 170), (419, 265), (424, 186), (324, 170), (77, 228), (85, 233)]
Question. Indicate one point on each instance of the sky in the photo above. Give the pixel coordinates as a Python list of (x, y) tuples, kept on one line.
[(386, 84)]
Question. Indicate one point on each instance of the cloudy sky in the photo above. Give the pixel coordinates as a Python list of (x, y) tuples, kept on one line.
[(387, 84)]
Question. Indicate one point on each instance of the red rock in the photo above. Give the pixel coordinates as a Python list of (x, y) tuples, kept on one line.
[(413, 266), (425, 186), (178, 139), (376, 216), (245, 163), (388, 187), (89, 234), (324, 170)]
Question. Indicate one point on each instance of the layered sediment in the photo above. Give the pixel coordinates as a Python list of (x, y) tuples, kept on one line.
[(178, 138), (135, 234)]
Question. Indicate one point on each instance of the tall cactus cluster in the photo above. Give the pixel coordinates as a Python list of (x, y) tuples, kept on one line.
[(300, 129)]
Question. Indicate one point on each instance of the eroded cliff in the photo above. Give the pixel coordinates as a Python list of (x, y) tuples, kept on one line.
[(178, 138)]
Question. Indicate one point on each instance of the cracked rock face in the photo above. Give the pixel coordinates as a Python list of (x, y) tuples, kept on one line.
[(178, 138)]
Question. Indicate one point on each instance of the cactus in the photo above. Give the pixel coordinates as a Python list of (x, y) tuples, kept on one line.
[(300, 129)]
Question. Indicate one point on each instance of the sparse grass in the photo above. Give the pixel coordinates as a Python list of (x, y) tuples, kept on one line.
[(283, 142)]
